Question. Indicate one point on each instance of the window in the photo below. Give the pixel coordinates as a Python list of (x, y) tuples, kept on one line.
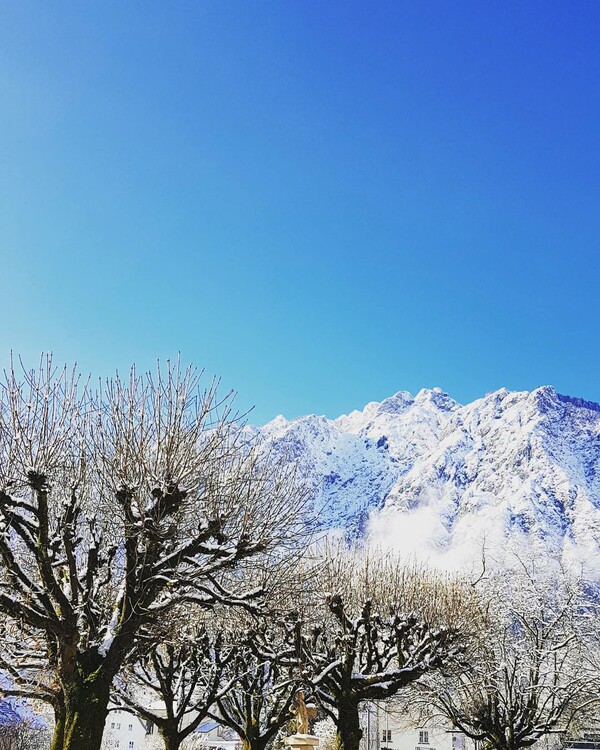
[(131, 745), (118, 725), (130, 727), (112, 724), (423, 737), (386, 735)]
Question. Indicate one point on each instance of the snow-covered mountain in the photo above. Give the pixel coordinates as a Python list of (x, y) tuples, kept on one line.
[(437, 480)]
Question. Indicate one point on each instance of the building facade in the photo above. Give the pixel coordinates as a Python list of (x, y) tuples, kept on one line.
[(387, 729), (123, 731)]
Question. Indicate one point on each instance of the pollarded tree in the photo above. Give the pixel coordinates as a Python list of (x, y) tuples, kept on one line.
[(383, 626), (117, 505), (197, 663), (175, 677), (523, 675), (260, 683)]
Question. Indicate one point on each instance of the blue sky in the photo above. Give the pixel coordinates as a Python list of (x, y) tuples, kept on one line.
[(321, 202)]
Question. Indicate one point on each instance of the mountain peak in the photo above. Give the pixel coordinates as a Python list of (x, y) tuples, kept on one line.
[(395, 404), (545, 398), (514, 470), (437, 397)]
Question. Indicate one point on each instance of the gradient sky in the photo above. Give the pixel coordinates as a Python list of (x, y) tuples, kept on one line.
[(321, 202)]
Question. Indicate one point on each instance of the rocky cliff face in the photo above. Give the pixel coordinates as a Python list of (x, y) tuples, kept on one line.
[(514, 471)]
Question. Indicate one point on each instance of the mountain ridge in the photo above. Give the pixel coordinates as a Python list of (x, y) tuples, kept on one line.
[(439, 480)]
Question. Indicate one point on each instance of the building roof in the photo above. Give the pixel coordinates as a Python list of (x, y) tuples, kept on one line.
[(208, 726)]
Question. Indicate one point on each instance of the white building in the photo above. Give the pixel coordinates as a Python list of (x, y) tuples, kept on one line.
[(123, 730), (387, 729)]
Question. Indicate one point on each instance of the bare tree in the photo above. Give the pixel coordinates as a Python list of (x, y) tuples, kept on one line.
[(116, 505), (23, 736), (25, 657), (21, 729), (182, 670), (522, 677), (243, 676), (260, 683), (590, 716), (198, 663), (383, 626)]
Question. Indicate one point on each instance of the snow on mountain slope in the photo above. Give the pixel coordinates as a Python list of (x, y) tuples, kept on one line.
[(513, 471), (348, 473)]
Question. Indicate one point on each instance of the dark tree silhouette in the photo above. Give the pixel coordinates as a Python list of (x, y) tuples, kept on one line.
[(264, 679), (117, 505), (184, 669), (384, 625)]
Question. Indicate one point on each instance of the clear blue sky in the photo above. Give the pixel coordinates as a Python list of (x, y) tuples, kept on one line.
[(322, 202)]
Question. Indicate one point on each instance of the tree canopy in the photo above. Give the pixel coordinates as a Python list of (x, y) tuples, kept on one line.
[(118, 503)]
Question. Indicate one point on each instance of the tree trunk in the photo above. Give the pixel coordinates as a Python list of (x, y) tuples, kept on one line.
[(86, 708), (172, 740), (348, 733), (255, 743), (58, 735)]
